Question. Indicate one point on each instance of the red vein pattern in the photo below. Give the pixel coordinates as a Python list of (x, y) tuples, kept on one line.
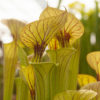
[(38, 34), (73, 27)]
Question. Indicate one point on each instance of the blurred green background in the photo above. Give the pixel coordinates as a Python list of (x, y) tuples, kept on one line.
[(90, 41)]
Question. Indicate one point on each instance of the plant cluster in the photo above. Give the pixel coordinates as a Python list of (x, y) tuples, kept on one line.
[(43, 59)]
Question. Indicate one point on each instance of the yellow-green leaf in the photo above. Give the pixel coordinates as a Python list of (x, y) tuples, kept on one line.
[(10, 55), (54, 44), (38, 34), (85, 79), (15, 27), (42, 31), (10, 61), (49, 12), (95, 87), (28, 75), (72, 31), (76, 95), (23, 59), (93, 60), (45, 80), (67, 69)]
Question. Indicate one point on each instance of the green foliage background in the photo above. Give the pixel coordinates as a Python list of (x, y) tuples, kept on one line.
[(92, 25)]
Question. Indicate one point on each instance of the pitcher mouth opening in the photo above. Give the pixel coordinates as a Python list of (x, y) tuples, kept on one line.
[(38, 51), (63, 38)]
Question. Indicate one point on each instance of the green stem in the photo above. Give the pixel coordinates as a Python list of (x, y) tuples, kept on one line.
[(67, 70), (22, 91), (44, 81), (59, 3)]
